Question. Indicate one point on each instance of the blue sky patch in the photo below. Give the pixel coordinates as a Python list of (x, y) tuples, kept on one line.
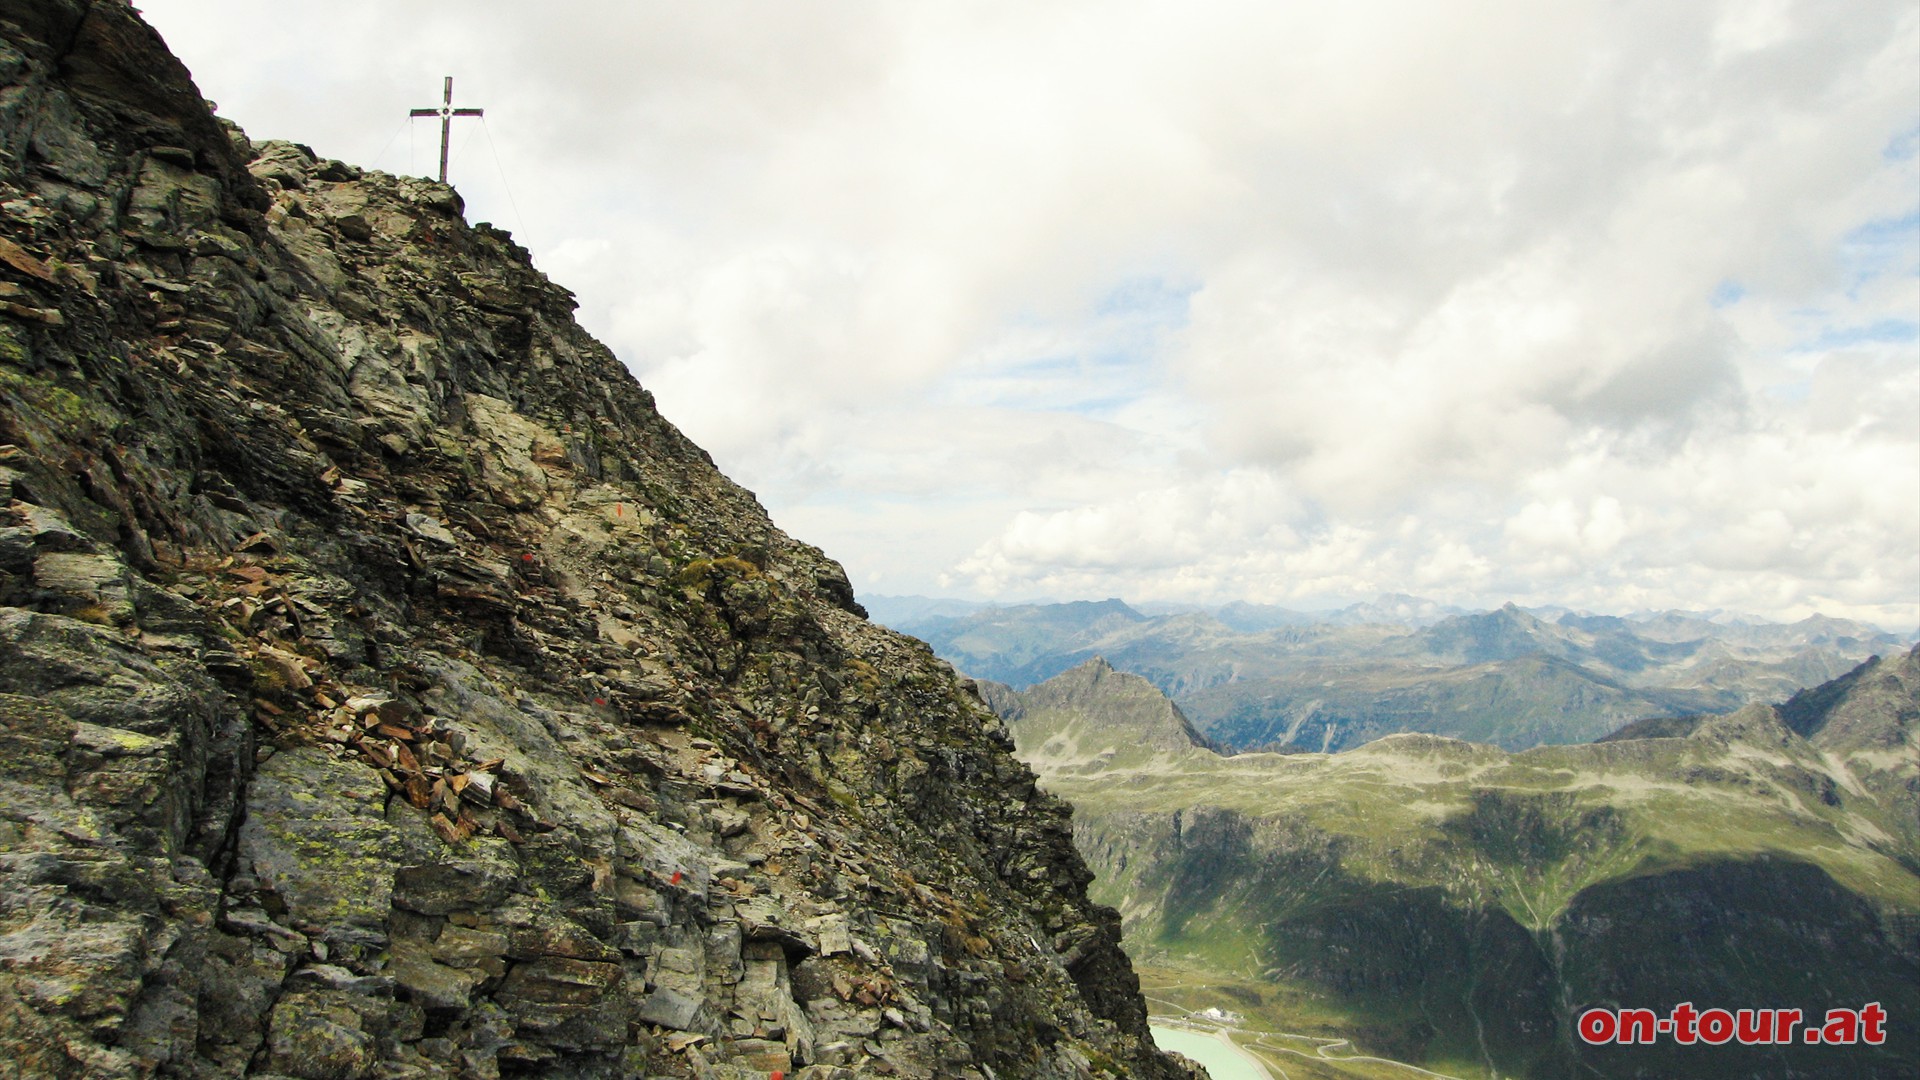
[(1883, 332), (1903, 146), (1881, 247), (1164, 302)]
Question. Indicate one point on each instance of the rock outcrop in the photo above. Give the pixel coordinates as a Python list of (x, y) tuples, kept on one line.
[(387, 690), (1091, 717)]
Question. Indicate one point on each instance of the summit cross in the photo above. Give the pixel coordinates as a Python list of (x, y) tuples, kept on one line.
[(446, 112)]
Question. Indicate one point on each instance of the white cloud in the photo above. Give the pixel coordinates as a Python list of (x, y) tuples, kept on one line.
[(1581, 302)]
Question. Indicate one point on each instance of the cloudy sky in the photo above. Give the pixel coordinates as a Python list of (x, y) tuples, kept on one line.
[(1607, 304)]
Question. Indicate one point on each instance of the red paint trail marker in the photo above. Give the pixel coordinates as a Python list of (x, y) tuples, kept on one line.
[(675, 879), (599, 701), (777, 1075), (526, 558)]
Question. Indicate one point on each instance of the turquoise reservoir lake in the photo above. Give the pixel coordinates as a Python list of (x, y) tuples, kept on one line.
[(1223, 1061)]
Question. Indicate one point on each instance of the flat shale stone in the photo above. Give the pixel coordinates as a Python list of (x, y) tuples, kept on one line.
[(388, 690)]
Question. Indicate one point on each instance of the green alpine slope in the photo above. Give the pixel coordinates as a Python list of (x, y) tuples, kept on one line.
[(1459, 905)]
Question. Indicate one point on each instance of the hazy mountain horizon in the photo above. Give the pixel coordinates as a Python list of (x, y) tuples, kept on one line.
[(891, 609), (1255, 676)]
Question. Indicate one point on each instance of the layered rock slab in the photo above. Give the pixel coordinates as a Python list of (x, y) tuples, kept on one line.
[(388, 690)]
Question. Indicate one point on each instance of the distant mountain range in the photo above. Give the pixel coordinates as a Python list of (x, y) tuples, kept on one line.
[(1258, 677), (1457, 906)]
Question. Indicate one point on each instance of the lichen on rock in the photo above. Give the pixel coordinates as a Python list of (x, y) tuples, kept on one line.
[(387, 690)]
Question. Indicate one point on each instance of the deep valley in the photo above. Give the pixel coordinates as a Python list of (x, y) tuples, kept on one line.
[(1456, 905)]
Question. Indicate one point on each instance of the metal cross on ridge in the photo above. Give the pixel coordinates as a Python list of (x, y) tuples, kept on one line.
[(446, 112)]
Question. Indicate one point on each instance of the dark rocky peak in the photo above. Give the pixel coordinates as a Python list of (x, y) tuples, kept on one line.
[(1094, 678), (1119, 710), (387, 689), (1090, 673), (1755, 725), (1876, 705)]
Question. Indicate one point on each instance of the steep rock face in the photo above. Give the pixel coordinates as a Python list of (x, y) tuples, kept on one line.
[(386, 689), (1870, 718)]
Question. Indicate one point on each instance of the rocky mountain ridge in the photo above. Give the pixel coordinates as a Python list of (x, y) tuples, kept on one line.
[(387, 690), (1252, 677), (1093, 706)]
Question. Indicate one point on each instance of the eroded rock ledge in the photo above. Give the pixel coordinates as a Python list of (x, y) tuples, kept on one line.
[(386, 690)]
